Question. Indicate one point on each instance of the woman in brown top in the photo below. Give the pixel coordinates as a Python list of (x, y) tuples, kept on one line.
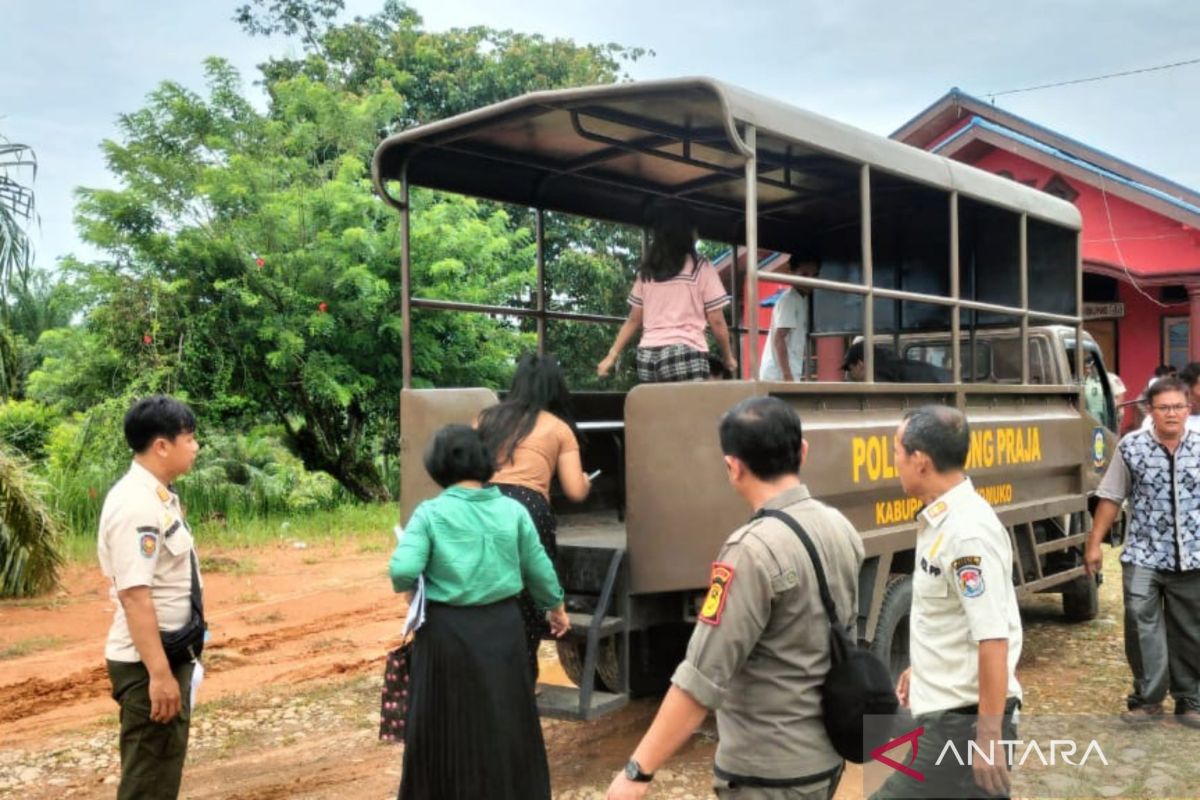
[(532, 436)]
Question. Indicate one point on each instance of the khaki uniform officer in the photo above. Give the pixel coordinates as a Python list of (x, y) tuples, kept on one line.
[(965, 628), (760, 650), (145, 549)]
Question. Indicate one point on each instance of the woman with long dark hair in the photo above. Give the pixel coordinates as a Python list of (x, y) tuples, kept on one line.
[(676, 295), (472, 729), (532, 436)]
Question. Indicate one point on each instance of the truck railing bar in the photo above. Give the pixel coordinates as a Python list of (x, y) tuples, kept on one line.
[(916, 297), (513, 311), (1030, 587), (1061, 544), (592, 647)]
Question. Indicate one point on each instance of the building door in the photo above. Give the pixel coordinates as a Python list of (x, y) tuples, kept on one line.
[(1104, 331)]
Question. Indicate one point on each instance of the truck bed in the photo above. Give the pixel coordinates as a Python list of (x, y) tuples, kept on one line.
[(591, 529)]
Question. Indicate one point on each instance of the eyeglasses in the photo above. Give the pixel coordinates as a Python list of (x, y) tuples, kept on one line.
[(1178, 408)]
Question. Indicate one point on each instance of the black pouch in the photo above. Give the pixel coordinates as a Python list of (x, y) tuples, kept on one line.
[(187, 643), (858, 685)]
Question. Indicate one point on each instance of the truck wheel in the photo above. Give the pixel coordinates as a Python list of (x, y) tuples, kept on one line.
[(890, 644), (654, 655), (1081, 599), (570, 657)]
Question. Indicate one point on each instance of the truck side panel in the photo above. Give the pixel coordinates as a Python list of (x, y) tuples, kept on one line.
[(1029, 458)]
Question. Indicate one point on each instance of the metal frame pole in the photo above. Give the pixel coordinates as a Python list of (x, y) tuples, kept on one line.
[(1079, 370), (405, 280), (540, 296), (751, 140), (1024, 284), (735, 297), (868, 271), (955, 291)]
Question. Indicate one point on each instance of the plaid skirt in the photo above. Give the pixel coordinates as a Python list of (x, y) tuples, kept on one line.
[(673, 362)]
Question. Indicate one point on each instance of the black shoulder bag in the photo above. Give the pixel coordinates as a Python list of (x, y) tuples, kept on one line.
[(858, 684), (187, 643)]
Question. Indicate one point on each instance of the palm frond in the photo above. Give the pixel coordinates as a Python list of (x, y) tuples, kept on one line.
[(29, 535), (17, 209)]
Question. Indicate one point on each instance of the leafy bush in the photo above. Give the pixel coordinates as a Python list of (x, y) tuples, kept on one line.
[(25, 426), (29, 535), (237, 476)]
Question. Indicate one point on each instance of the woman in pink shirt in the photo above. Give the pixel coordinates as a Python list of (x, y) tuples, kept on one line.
[(675, 297)]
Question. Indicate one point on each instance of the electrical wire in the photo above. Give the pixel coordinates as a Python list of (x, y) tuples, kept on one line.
[(1173, 65), (1116, 242)]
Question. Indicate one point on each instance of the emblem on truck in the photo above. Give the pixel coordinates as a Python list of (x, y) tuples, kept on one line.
[(1099, 456)]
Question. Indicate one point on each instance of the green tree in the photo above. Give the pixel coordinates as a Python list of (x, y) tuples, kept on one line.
[(251, 268)]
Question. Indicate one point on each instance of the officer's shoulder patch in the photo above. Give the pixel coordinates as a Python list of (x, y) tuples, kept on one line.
[(966, 560), (147, 541), (718, 591), (970, 575)]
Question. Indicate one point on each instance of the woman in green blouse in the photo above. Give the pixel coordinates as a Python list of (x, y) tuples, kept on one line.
[(472, 728)]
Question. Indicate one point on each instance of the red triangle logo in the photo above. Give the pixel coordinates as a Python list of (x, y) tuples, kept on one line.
[(910, 738)]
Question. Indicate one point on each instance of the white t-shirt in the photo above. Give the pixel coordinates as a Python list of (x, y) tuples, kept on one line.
[(791, 312)]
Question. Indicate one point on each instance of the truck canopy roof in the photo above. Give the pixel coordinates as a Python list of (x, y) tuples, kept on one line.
[(606, 152)]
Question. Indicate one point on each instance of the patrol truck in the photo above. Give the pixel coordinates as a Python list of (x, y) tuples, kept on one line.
[(917, 251)]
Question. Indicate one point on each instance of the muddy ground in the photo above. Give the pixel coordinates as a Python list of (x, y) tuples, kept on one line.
[(290, 704)]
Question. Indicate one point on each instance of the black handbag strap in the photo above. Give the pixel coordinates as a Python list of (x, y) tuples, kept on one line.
[(806, 540), (196, 592)]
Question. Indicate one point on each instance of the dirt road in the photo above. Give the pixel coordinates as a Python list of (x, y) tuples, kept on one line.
[(290, 704)]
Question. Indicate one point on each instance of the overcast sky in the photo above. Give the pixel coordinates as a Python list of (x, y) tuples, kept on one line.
[(69, 67)]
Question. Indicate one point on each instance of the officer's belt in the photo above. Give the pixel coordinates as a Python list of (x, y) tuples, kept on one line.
[(775, 783), (1010, 707)]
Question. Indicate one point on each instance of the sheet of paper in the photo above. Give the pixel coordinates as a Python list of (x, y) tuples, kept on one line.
[(416, 608), (197, 679)]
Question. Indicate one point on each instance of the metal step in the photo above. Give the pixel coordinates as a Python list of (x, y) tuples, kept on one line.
[(580, 622), (562, 702)]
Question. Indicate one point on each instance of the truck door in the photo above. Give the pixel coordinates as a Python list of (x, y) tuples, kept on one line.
[(1097, 391)]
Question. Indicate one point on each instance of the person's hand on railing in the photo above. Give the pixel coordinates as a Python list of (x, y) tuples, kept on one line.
[(606, 365), (559, 622)]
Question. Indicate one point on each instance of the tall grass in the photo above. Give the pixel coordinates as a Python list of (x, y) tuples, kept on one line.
[(367, 525), (246, 489), (236, 477)]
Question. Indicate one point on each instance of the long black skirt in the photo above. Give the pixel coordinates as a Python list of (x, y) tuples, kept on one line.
[(539, 510), (472, 730)]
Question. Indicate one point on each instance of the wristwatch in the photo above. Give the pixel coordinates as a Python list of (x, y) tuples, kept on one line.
[(633, 771)]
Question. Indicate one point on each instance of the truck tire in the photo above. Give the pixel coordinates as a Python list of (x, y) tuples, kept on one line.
[(570, 657), (1081, 599), (654, 655), (890, 644)]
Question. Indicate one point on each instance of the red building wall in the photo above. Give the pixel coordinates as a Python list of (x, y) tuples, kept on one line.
[(1150, 241)]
